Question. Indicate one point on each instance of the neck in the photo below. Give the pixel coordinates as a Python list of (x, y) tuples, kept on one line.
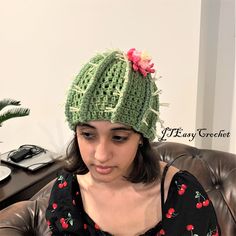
[(115, 184), (88, 182)]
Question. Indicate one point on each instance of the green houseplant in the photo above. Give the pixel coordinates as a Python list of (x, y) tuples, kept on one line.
[(12, 112), (6, 115)]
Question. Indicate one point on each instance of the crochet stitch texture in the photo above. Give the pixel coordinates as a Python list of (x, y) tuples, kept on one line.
[(107, 88)]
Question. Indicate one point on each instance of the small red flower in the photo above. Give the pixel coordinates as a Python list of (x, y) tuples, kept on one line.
[(190, 227), (140, 62), (73, 202), (85, 226)]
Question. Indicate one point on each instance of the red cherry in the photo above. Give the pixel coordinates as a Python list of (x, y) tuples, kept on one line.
[(85, 226), (171, 211), (181, 191), (168, 215), (73, 202), (184, 186), (65, 183), (199, 205), (60, 185), (215, 234), (206, 203), (162, 232), (77, 193), (96, 226), (48, 223), (189, 227), (62, 220), (64, 225), (54, 206)]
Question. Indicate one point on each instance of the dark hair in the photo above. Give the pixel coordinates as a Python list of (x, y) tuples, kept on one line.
[(146, 165)]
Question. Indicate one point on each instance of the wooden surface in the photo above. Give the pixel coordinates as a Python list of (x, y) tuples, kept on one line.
[(22, 184)]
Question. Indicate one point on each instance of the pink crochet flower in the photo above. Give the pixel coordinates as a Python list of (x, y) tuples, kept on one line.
[(141, 61)]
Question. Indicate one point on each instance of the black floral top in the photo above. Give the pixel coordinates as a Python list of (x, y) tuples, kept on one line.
[(187, 210)]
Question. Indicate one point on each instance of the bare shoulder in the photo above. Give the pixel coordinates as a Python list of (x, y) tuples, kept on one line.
[(169, 175)]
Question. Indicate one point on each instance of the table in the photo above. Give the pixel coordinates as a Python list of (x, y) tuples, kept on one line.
[(23, 184)]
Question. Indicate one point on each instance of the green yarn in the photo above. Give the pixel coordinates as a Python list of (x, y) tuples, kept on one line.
[(107, 88)]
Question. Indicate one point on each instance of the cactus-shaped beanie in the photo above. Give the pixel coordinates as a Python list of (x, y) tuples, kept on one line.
[(116, 87)]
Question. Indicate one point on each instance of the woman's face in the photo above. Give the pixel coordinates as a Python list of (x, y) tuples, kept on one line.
[(108, 149)]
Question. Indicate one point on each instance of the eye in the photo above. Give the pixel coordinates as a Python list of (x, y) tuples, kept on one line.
[(118, 138), (87, 135)]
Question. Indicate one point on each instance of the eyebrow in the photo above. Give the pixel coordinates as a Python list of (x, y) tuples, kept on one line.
[(113, 129)]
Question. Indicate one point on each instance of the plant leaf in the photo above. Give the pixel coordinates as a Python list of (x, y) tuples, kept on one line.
[(7, 102), (71, 222), (13, 113)]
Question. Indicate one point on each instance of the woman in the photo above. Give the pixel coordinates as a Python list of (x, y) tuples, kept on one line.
[(115, 183)]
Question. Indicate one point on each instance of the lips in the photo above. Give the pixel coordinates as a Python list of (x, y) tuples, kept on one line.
[(104, 170)]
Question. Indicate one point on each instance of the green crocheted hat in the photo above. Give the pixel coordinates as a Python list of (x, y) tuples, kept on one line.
[(117, 87)]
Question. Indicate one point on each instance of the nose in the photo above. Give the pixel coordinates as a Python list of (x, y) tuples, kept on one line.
[(103, 152)]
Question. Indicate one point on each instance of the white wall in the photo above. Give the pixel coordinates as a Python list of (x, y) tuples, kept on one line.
[(232, 147), (44, 43), (225, 77), (216, 78)]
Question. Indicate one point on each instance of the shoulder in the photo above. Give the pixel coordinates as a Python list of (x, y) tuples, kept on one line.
[(63, 186), (182, 183), (187, 206), (169, 176), (63, 178), (65, 203), (179, 181)]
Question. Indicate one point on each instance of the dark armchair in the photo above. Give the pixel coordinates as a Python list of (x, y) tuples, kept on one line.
[(215, 170)]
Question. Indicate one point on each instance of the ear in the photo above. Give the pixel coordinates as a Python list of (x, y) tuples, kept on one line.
[(141, 141)]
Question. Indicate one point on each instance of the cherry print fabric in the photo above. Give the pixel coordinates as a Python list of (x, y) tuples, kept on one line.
[(187, 210)]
